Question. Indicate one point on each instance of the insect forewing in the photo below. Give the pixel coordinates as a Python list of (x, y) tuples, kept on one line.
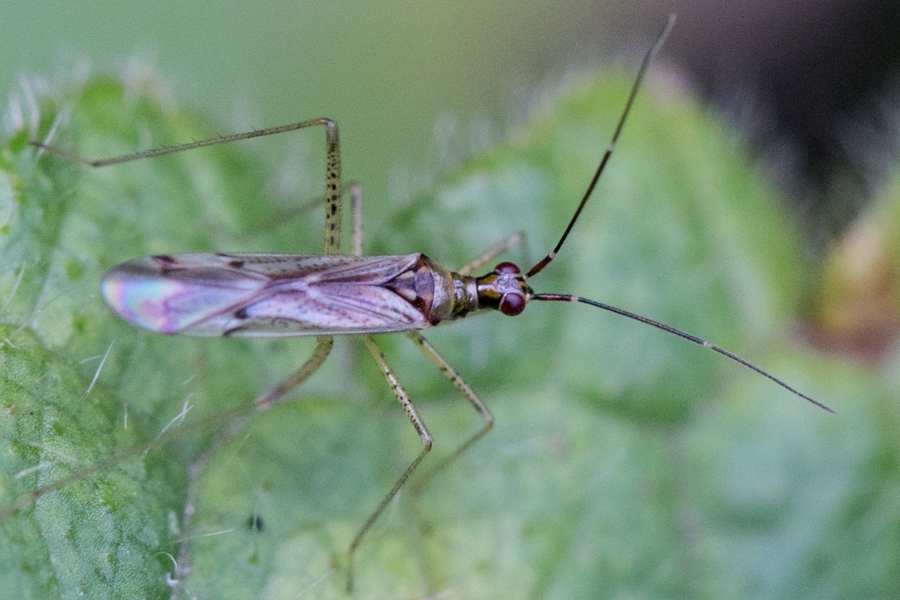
[(262, 295)]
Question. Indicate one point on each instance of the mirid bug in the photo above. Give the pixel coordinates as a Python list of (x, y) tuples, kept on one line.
[(271, 295)]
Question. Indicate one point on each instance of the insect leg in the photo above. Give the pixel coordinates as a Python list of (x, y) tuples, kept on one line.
[(332, 166), (275, 395), (445, 368), (421, 429), (333, 191), (264, 402), (491, 253), (356, 203)]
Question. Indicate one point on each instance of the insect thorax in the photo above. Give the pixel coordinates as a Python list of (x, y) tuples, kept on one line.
[(438, 293)]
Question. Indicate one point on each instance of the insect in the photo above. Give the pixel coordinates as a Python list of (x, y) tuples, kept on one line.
[(272, 295)]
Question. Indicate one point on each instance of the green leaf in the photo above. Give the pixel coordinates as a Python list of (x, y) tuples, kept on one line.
[(623, 462), (77, 522)]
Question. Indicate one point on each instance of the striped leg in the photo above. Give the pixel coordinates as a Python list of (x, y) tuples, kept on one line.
[(421, 429), (448, 371)]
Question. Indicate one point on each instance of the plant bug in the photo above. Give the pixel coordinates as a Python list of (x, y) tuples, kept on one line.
[(273, 295)]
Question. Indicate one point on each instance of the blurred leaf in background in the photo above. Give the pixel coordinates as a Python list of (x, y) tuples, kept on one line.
[(624, 462)]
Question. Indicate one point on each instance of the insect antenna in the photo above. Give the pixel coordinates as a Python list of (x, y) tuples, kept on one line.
[(648, 58), (682, 334)]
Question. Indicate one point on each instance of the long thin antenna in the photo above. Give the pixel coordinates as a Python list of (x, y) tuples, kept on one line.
[(681, 334), (651, 54)]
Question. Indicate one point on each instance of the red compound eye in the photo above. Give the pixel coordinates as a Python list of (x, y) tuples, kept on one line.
[(507, 268), (512, 304)]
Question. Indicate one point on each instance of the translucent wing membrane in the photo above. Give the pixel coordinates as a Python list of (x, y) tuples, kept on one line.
[(254, 295)]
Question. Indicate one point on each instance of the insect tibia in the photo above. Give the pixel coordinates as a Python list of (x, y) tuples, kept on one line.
[(331, 140), (73, 157)]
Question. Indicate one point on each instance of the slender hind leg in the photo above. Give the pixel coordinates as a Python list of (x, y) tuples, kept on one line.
[(420, 428), (276, 394), (448, 371), (333, 195), (332, 245)]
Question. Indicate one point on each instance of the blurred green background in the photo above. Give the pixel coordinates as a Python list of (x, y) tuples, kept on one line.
[(398, 76), (803, 82)]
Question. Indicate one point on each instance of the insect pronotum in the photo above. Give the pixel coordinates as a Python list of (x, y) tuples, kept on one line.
[(269, 295)]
